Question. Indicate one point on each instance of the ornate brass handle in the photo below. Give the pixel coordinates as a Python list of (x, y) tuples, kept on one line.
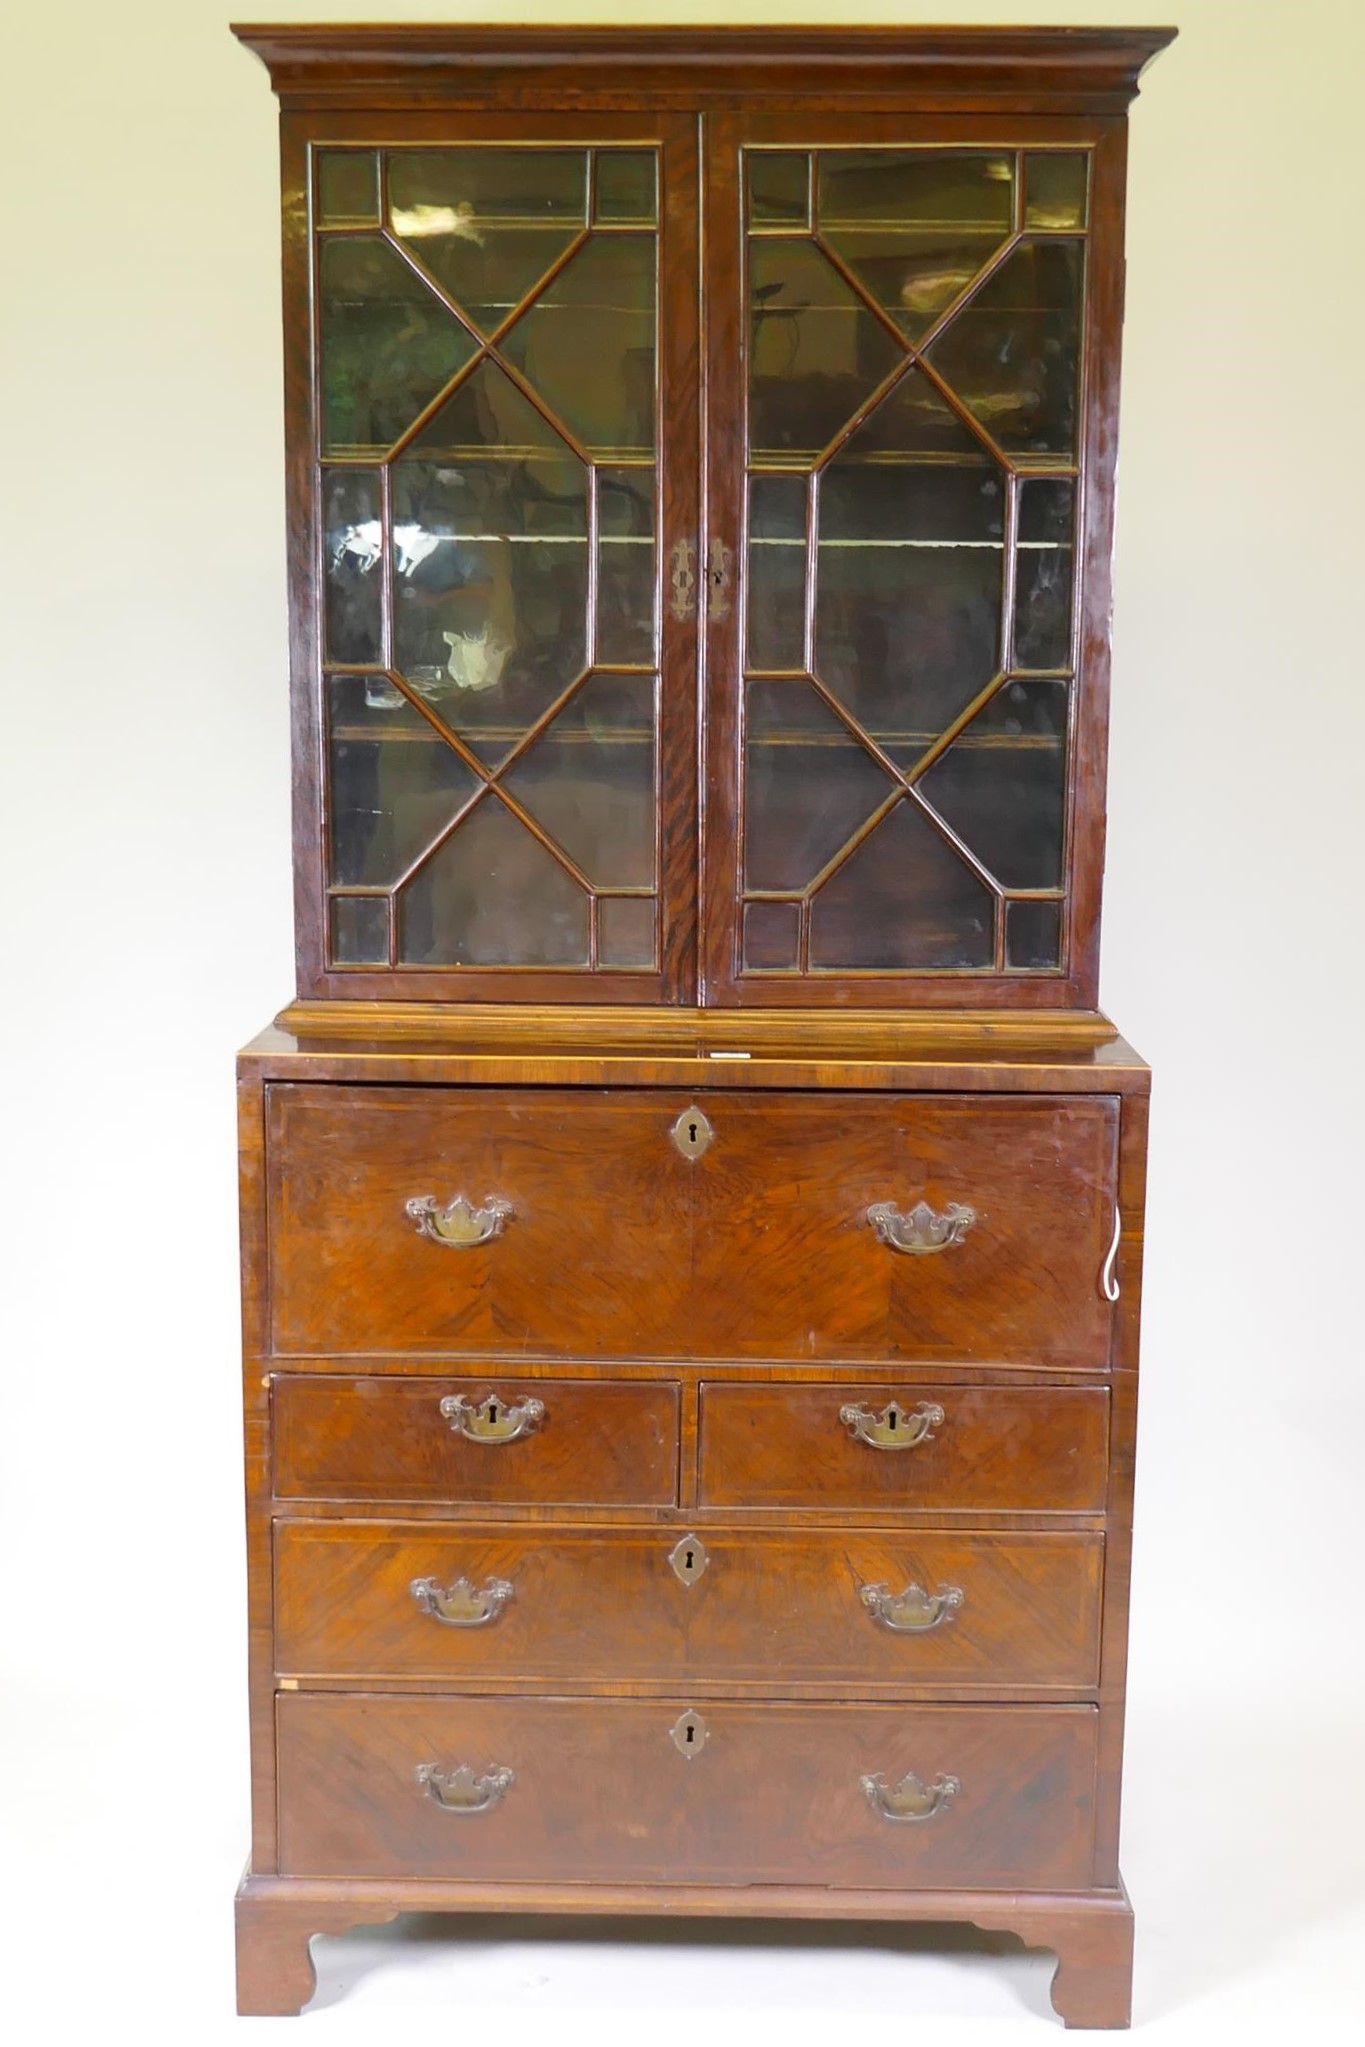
[(920, 1229), (912, 1612), (893, 1428), (464, 1789), (490, 1420), (461, 1605), (1109, 1284), (459, 1223), (911, 1799)]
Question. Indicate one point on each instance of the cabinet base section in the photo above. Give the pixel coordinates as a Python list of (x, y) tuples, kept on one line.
[(1090, 1932)]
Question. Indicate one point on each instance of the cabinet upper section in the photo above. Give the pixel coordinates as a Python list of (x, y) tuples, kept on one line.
[(700, 514)]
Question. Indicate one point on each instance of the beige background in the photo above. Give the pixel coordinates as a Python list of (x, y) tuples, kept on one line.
[(146, 919)]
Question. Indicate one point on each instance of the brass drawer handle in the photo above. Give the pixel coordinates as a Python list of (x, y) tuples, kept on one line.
[(462, 1605), (459, 1224), (893, 1428), (490, 1420), (921, 1229), (911, 1799), (914, 1611), (463, 1789), (1109, 1283)]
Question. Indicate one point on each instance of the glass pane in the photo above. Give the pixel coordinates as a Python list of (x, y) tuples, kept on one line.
[(1033, 934), (1012, 354), (771, 935), (809, 785), (353, 544), (393, 784), (626, 186), (625, 565), (1056, 190), (779, 189), (625, 931), (816, 352), (914, 226), (488, 223), (490, 563), (1044, 574), (903, 900), (493, 896), (1002, 784), (347, 191), (587, 345), (776, 581), (360, 931), (388, 344), (589, 780)]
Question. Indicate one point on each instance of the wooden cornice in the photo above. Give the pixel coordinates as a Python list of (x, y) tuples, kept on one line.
[(1059, 70)]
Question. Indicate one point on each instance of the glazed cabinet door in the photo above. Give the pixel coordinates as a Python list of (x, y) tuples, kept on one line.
[(491, 332), (913, 328)]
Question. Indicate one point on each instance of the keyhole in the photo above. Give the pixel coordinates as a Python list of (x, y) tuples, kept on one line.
[(688, 1565), (892, 1419), (691, 1733), (492, 1412)]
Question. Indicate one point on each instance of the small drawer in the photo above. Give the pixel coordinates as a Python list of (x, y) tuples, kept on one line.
[(511, 1441), (541, 1220), (665, 1790), (367, 1601), (893, 1444)]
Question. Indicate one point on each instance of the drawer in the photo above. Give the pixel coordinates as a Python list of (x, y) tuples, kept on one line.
[(572, 1605), (591, 1256), (567, 1442), (1018, 1195), (592, 1789), (1007, 1448)]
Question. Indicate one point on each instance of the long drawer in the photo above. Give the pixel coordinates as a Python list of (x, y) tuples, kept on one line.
[(503, 1439), (552, 1605), (562, 1222), (901, 1445), (661, 1790)]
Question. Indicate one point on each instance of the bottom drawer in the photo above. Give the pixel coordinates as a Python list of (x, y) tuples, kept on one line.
[(652, 1790)]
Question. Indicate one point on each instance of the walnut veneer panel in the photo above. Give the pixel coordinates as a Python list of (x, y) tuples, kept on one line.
[(599, 1790), (589, 1606), (597, 1442), (1011, 1449), (787, 1266), (592, 1261)]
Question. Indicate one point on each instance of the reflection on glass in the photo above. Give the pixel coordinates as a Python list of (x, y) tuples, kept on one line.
[(809, 785), (625, 931), (588, 345), (625, 565), (816, 351), (352, 539), (1002, 784), (626, 186), (347, 188), (1044, 574), (903, 900), (776, 580), (915, 226), (488, 223), (490, 556), (771, 935), (779, 188), (1033, 934), (393, 784), (492, 896), (388, 344), (1012, 354), (360, 931), (588, 780), (1055, 185)]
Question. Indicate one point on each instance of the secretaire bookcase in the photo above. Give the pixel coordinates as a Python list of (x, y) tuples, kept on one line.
[(692, 1211)]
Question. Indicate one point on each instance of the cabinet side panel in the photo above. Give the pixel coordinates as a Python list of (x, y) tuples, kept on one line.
[(256, 1430)]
